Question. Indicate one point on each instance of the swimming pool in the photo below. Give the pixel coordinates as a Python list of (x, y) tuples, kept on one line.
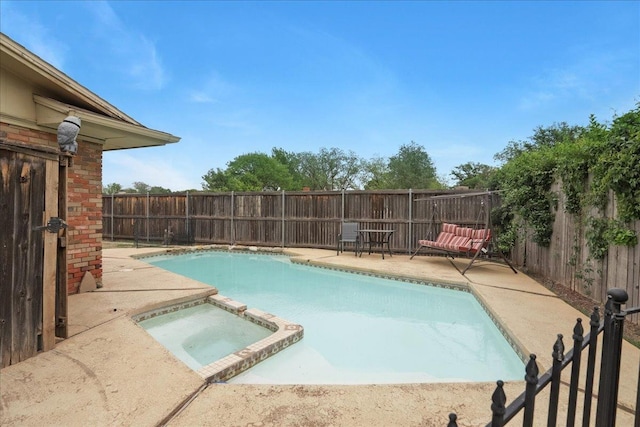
[(358, 329)]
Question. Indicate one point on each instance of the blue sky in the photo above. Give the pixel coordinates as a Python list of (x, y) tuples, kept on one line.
[(462, 79)]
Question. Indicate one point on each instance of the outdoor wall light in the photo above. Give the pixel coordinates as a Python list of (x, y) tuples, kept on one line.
[(67, 133)]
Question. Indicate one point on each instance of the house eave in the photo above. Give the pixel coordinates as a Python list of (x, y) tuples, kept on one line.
[(114, 134), (17, 59)]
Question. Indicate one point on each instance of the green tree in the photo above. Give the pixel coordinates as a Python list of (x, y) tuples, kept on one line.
[(141, 187), (216, 180), (475, 175), (542, 137), (249, 172), (112, 188), (375, 173), (291, 161), (411, 168), (156, 189), (330, 169)]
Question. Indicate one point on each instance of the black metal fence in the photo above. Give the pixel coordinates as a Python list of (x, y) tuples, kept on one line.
[(609, 377)]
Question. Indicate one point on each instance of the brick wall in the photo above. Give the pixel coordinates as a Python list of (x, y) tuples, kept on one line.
[(84, 214), (84, 202)]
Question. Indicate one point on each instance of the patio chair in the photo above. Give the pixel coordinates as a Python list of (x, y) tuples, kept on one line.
[(348, 234)]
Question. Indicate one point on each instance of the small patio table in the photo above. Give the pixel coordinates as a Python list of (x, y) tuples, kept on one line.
[(375, 237)]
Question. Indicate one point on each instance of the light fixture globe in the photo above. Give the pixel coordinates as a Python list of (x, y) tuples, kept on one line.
[(67, 133)]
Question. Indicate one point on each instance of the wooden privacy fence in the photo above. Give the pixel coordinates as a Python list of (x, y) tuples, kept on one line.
[(312, 219), (291, 219), (567, 259)]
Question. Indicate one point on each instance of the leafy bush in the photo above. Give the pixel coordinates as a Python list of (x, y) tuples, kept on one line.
[(526, 185), (611, 155)]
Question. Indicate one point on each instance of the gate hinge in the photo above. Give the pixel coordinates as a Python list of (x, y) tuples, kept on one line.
[(54, 225)]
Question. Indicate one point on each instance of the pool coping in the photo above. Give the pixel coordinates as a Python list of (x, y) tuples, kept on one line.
[(508, 335), (284, 334), (463, 285)]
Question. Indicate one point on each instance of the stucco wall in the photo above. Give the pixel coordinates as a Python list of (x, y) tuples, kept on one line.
[(84, 195)]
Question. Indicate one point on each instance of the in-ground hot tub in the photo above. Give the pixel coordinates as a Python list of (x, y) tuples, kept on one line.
[(218, 337)]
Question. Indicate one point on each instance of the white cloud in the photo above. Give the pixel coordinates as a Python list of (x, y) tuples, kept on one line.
[(129, 50), (201, 97), (586, 79), (214, 89), (147, 69), (555, 85)]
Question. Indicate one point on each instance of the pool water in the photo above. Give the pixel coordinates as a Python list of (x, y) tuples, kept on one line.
[(358, 329), (202, 334)]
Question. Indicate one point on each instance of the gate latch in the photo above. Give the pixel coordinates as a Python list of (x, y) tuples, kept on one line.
[(54, 225)]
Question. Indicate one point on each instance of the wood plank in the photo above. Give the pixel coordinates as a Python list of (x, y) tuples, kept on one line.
[(62, 268), (8, 188), (19, 340), (36, 254), (50, 258), (27, 262)]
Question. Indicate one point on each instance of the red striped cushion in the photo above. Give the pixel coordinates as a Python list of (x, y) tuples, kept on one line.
[(481, 234), (455, 243), (444, 238), (464, 231), (479, 239), (449, 228)]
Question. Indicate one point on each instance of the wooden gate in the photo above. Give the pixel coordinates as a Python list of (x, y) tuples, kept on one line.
[(29, 251)]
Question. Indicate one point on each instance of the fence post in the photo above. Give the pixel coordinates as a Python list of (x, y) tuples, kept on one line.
[(233, 228), (576, 359), (283, 195), (186, 218), (591, 364), (112, 203), (147, 219), (410, 228), (531, 377), (556, 369), (611, 352), (342, 211), (498, 400)]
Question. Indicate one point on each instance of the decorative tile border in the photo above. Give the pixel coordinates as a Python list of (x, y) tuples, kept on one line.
[(284, 334), (168, 309), (515, 344), (504, 331), (254, 250), (453, 286), (227, 304)]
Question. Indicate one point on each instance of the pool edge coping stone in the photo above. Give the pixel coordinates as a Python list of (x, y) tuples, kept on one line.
[(464, 285), (284, 333)]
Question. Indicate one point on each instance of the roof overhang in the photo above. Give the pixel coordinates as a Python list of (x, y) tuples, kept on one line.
[(113, 134), (101, 122), (22, 62)]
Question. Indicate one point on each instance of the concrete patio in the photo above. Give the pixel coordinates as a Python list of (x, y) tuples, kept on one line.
[(111, 372)]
